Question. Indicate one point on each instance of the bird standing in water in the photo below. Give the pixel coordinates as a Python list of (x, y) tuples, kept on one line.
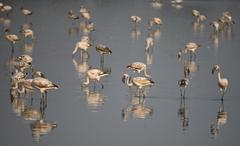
[(222, 82), (72, 15), (102, 50), (26, 12), (138, 66), (83, 44), (85, 13), (28, 33), (135, 20), (183, 83), (216, 26), (95, 75), (156, 21), (200, 17), (139, 82), (191, 48), (12, 38)]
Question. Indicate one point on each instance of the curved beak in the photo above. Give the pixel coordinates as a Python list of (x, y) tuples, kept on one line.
[(213, 70), (110, 51), (179, 54), (124, 79), (129, 66)]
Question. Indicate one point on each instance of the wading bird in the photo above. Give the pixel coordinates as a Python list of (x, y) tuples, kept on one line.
[(216, 26), (200, 17), (27, 33), (191, 48), (43, 85), (72, 15), (135, 20), (139, 82), (156, 21), (23, 62), (85, 13), (26, 12), (222, 82), (183, 83), (138, 66), (103, 50), (227, 18), (6, 8), (95, 75), (84, 44), (12, 38)]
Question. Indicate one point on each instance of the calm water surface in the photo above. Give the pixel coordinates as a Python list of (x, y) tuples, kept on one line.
[(86, 117)]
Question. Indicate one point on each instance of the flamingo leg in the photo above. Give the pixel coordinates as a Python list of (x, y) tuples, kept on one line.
[(223, 93), (181, 92), (12, 50), (102, 61)]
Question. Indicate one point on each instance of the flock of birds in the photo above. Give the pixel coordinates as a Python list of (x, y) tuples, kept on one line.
[(25, 79), (142, 81)]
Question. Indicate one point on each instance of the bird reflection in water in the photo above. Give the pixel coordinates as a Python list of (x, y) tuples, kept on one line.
[(87, 27), (183, 114), (95, 99), (73, 31), (6, 22), (190, 67), (177, 4), (198, 27), (215, 39), (32, 113), (28, 47), (41, 126), (221, 120), (149, 58), (182, 111), (156, 4), (155, 32), (135, 33), (18, 104), (82, 66), (36, 116), (137, 109)]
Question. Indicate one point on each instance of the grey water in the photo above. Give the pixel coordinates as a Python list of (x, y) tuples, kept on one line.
[(86, 117)]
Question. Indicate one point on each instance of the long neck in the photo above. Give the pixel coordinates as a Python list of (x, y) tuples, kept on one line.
[(145, 72), (128, 81), (87, 81), (219, 75)]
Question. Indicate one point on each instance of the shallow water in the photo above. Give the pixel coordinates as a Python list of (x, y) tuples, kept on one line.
[(90, 118)]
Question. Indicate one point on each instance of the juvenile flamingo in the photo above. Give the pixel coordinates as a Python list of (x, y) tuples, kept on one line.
[(222, 82), (139, 82), (138, 66)]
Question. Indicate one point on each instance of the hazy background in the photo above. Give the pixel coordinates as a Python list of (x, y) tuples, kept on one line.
[(78, 123)]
